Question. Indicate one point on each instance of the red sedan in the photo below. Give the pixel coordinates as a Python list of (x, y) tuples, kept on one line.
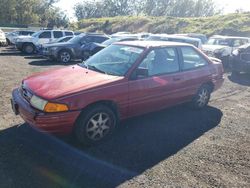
[(124, 80)]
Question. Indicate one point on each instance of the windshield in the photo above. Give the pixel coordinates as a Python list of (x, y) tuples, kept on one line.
[(114, 60), (36, 34), (216, 41)]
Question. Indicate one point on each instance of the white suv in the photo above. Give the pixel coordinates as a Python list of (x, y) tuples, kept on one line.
[(2, 38), (29, 44)]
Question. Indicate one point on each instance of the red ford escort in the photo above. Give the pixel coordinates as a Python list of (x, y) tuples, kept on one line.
[(124, 80)]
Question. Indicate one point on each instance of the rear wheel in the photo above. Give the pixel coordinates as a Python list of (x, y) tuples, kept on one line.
[(28, 48), (65, 56), (95, 124), (202, 97)]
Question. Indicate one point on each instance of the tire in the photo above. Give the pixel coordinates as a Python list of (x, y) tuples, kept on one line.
[(95, 124), (64, 56), (202, 97), (28, 48)]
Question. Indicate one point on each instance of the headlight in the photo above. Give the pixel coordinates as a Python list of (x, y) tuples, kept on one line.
[(235, 52), (38, 102), (46, 106)]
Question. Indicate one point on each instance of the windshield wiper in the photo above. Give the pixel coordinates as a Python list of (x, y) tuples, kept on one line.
[(94, 68)]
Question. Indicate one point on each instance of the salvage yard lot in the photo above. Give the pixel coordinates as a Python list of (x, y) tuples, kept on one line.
[(174, 147)]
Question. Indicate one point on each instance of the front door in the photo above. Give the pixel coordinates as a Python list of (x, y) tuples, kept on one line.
[(160, 87)]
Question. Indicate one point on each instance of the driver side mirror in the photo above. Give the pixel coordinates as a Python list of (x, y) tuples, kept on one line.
[(141, 73)]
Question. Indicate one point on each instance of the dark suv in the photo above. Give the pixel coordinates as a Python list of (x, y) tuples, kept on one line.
[(240, 60), (66, 51)]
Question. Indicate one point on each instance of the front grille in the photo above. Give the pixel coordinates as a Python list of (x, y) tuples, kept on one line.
[(25, 93)]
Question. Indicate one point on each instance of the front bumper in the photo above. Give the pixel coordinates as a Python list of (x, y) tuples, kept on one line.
[(19, 45), (56, 123)]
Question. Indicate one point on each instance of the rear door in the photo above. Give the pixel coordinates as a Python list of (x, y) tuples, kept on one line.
[(195, 71), (45, 37), (57, 35), (161, 87)]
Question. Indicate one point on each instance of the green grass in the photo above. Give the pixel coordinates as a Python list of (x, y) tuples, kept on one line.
[(231, 24)]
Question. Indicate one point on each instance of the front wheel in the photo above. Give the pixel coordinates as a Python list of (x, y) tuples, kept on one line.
[(65, 56), (95, 124), (29, 48), (202, 97)]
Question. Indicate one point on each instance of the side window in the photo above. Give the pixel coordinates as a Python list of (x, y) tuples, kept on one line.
[(161, 61), (45, 35), (192, 59), (57, 34), (67, 33)]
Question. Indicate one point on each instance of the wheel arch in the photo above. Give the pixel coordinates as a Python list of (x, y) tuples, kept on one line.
[(67, 50), (210, 85), (108, 103)]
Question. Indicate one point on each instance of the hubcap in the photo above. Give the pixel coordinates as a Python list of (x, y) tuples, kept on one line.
[(29, 49), (98, 126), (202, 98), (65, 57)]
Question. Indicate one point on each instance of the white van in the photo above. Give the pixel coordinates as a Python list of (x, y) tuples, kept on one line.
[(2, 38), (29, 44)]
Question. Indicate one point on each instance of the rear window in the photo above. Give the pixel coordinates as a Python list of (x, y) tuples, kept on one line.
[(67, 33), (57, 34)]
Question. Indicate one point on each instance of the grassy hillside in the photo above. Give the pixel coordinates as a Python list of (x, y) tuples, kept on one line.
[(231, 24)]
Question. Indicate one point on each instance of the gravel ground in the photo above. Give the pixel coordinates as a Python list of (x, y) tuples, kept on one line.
[(176, 147)]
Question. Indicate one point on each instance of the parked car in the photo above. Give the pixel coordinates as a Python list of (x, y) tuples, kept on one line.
[(60, 40), (12, 36), (29, 44), (240, 60), (2, 38), (202, 37), (125, 79), (173, 38), (92, 48), (66, 51), (222, 47)]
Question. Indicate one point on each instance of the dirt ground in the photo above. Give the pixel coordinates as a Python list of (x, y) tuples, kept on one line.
[(176, 147)]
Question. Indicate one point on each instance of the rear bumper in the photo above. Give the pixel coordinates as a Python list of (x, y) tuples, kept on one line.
[(55, 123), (218, 83)]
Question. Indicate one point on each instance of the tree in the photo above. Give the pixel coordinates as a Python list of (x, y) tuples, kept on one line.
[(26, 12), (176, 8)]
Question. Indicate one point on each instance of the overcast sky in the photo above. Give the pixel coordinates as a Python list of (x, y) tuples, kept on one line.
[(227, 5)]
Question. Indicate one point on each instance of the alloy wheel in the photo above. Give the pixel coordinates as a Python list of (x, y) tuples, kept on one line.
[(203, 97), (65, 57), (98, 126)]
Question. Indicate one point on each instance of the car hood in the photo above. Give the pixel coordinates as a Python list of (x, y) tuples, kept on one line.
[(208, 47), (57, 83), (59, 44)]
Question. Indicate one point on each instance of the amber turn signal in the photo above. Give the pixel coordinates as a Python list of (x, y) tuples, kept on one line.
[(54, 107)]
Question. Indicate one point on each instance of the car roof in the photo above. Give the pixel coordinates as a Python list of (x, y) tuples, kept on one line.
[(228, 37), (151, 44), (176, 37)]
